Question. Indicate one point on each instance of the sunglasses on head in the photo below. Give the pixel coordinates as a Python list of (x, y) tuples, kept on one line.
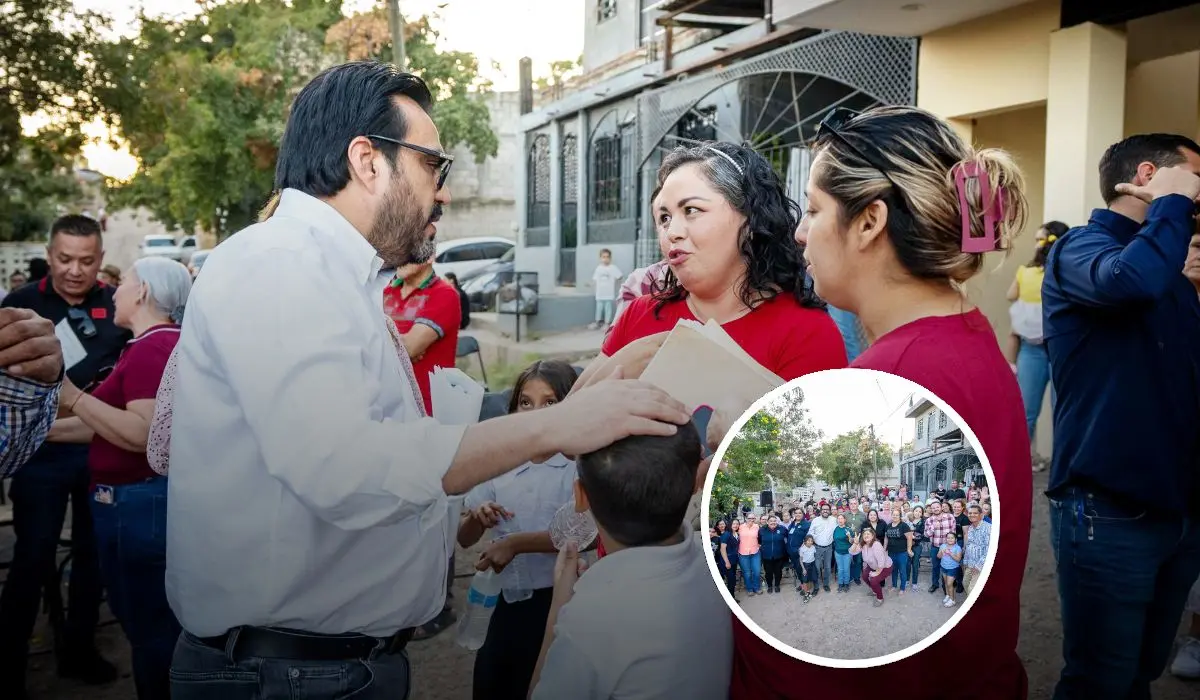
[(833, 126), (445, 160), (82, 322)]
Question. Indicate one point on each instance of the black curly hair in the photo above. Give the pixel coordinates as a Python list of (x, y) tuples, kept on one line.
[(766, 241)]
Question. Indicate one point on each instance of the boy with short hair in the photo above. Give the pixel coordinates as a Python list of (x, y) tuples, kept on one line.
[(606, 278), (625, 628)]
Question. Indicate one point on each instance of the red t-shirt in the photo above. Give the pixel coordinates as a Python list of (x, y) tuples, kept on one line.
[(434, 304), (136, 376), (781, 335), (958, 359)]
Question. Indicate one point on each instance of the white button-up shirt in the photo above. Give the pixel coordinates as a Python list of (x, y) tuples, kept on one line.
[(305, 489)]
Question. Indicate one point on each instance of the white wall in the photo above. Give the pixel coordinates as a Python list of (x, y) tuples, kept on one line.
[(483, 195)]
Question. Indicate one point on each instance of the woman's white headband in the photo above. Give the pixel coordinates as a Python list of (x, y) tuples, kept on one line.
[(727, 157)]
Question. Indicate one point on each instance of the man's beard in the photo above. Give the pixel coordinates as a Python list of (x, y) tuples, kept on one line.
[(399, 230)]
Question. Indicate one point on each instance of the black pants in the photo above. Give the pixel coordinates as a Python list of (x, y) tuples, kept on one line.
[(504, 664), (40, 492), (774, 571)]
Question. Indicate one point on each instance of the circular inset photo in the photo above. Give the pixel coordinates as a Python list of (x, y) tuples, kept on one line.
[(852, 520)]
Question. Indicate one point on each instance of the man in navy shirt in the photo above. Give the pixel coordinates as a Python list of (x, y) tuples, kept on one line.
[(1122, 329), (81, 310)]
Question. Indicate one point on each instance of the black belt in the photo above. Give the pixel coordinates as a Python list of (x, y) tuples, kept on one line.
[(276, 643)]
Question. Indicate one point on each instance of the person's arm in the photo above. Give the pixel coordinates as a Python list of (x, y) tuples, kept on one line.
[(71, 430), (909, 536), (1014, 290), (127, 428), (725, 554), (1094, 270), (442, 312), (418, 339), (564, 669), (27, 410), (956, 556)]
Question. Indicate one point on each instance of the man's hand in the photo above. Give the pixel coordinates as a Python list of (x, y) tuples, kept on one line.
[(612, 410), (496, 556), (490, 514), (567, 569), (28, 346), (1165, 181)]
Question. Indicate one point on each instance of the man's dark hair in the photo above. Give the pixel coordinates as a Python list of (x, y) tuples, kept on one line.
[(343, 102), (38, 269), (1120, 162), (75, 225), (639, 488)]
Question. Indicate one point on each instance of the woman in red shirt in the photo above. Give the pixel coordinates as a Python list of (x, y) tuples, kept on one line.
[(129, 500), (884, 239)]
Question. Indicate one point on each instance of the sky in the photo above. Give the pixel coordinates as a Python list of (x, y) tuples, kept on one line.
[(845, 400), (494, 30)]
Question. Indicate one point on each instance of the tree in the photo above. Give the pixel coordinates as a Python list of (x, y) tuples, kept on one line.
[(560, 73), (203, 101), (799, 439), (48, 69), (754, 445), (850, 458)]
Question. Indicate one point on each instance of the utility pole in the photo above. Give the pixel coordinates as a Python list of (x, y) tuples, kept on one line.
[(875, 458), (396, 22)]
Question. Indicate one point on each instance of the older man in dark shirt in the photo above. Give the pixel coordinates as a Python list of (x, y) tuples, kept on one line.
[(1122, 329)]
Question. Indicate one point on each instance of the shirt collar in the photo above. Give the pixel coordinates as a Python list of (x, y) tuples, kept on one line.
[(1121, 226), (641, 563), (347, 240)]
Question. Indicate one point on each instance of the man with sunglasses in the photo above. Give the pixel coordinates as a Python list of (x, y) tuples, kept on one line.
[(310, 521), (81, 311)]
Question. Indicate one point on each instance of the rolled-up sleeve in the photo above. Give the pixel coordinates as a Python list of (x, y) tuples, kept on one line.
[(296, 362), (1097, 271), (27, 410)]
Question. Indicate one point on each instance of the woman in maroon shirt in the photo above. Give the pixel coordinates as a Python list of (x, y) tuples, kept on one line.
[(889, 196), (129, 500)]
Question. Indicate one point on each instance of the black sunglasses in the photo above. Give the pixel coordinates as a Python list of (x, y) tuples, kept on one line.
[(445, 160), (82, 322), (98, 379), (833, 123)]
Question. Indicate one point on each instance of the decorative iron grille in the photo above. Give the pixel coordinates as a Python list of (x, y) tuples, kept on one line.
[(605, 10), (538, 191), (569, 222), (613, 175), (698, 125), (941, 419)]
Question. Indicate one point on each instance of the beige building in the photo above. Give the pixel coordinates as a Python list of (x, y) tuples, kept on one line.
[(1055, 82)]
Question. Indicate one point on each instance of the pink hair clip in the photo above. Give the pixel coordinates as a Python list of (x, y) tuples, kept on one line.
[(993, 209)]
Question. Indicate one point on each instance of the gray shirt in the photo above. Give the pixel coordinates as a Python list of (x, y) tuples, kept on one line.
[(630, 630)]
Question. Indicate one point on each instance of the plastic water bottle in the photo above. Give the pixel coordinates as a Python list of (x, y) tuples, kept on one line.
[(481, 603), (515, 573)]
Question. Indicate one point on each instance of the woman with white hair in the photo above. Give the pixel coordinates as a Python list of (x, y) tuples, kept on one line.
[(129, 500)]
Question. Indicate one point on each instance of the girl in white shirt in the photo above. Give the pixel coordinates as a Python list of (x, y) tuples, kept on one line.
[(519, 506)]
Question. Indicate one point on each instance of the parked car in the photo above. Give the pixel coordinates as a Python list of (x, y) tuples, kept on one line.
[(465, 255), (482, 284), (197, 261), (160, 246), (187, 248)]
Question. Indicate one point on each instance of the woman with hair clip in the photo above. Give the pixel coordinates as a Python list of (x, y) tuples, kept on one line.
[(128, 497), (1025, 351), (901, 212)]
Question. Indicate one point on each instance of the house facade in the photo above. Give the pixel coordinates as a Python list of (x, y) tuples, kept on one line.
[(940, 452)]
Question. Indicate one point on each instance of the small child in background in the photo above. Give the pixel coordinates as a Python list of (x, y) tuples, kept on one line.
[(605, 279), (518, 506), (950, 555), (625, 627), (808, 565)]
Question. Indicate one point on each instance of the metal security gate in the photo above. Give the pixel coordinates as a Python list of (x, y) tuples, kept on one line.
[(773, 103)]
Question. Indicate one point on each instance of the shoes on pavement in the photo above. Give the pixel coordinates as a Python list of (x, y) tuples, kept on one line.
[(1187, 660), (949, 602), (826, 587), (878, 602)]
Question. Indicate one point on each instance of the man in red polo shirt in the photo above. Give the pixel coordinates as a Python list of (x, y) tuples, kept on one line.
[(427, 313)]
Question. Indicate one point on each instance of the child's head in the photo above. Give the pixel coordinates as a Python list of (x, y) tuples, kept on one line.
[(639, 488), (605, 256), (951, 539), (542, 384), (809, 541)]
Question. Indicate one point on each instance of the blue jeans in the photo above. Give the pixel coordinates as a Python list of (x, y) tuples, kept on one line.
[(1119, 621), (900, 569), (920, 550), (856, 568), (131, 541), (200, 672), (604, 311), (40, 491), (843, 568), (1033, 374), (751, 565)]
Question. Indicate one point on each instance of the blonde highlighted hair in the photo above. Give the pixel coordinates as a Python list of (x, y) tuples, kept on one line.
[(920, 154)]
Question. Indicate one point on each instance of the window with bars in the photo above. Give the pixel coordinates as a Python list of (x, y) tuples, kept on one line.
[(538, 187), (941, 419), (698, 125), (612, 175), (605, 10), (570, 190), (920, 428)]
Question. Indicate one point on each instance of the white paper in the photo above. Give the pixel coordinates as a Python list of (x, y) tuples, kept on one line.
[(456, 398), (72, 350)]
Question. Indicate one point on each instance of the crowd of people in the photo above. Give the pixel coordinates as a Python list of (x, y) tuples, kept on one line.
[(314, 503), (850, 541)]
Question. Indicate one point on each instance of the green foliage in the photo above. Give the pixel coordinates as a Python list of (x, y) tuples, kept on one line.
[(796, 460), (850, 459), (756, 444), (203, 101), (35, 182), (560, 73)]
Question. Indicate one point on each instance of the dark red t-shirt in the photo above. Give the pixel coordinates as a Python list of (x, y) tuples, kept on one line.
[(781, 335), (434, 304), (958, 359), (135, 377)]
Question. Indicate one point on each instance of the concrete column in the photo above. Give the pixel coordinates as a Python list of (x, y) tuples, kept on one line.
[(1085, 114), (522, 188), (1163, 95), (555, 189), (583, 129)]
